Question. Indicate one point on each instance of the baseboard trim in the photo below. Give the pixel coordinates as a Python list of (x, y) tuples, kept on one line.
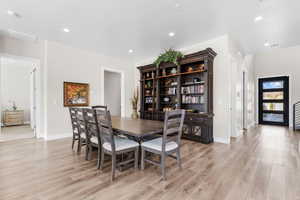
[(58, 136), (222, 140)]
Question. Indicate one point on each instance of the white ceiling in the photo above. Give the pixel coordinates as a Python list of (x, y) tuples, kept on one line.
[(112, 27)]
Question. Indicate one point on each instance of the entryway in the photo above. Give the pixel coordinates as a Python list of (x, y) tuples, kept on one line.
[(112, 92), (274, 101), (18, 98)]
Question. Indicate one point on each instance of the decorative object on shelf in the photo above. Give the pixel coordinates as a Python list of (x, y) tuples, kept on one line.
[(164, 72), (152, 74), (134, 103), (201, 67), (190, 69), (170, 56), (148, 92), (168, 82), (174, 70), (76, 94), (148, 84), (166, 109), (196, 80), (167, 99)]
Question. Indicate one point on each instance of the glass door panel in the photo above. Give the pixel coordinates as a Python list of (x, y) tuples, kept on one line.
[(273, 106), (272, 95), (270, 117)]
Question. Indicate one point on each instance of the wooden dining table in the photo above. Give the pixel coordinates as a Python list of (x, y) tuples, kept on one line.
[(139, 129)]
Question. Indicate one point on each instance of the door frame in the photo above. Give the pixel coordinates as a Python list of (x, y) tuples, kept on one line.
[(122, 87), (287, 101), (38, 97)]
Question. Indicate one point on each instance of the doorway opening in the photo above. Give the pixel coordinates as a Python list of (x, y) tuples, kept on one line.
[(113, 92), (18, 98), (274, 101)]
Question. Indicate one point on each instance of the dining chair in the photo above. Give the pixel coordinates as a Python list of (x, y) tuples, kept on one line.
[(93, 135), (113, 145), (81, 126), (75, 127), (168, 144)]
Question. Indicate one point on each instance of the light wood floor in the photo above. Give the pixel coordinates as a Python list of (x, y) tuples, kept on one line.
[(263, 164), (16, 132)]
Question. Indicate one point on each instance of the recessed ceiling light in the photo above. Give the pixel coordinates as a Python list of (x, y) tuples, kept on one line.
[(9, 12), (171, 34), (177, 5), (66, 30), (130, 51), (14, 14), (258, 18), (267, 44)]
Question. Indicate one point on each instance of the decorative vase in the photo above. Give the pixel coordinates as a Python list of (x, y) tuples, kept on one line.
[(173, 71), (134, 114)]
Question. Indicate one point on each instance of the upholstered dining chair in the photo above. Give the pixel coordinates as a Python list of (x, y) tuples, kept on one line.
[(93, 134), (75, 128), (168, 144), (113, 145)]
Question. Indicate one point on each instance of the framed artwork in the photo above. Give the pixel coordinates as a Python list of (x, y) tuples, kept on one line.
[(76, 94)]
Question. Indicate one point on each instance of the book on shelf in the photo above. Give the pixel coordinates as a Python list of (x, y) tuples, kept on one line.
[(171, 91), (192, 89), (148, 100), (192, 99)]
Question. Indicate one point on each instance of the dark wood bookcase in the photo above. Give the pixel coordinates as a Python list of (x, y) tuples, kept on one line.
[(188, 86)]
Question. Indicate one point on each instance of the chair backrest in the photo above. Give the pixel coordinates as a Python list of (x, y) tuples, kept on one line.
[(81, 120), (99, 107), (105, 126), (92, 129), (173, 125), (73, 115)]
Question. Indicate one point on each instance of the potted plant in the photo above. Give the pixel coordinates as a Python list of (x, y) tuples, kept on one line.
[(170, 55)]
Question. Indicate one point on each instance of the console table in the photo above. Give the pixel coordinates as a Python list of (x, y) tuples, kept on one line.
[(14, 117)]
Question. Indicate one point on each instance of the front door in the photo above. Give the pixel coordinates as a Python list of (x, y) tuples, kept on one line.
[(274, 101)]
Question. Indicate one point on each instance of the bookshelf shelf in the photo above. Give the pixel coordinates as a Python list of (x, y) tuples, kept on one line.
[(189, 88)]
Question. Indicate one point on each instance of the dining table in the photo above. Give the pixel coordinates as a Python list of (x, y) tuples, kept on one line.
[(138, 129)]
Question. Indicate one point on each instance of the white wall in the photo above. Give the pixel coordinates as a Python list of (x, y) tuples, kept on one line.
[(112, 92), (65, 63), (281, 62), (15, 85)]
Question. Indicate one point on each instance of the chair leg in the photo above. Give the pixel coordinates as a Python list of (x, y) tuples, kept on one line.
[(163, 167), (99, 157), (136, 158), (79, 145), (143, 159), (87, 149), (102, 159), (178, 158), (113, 167), (90, 152), (73, 141)]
